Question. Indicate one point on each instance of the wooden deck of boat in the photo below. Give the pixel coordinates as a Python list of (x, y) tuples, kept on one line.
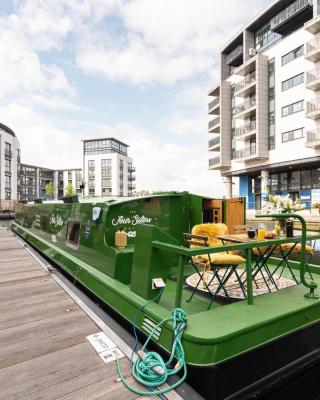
[(44, 353)]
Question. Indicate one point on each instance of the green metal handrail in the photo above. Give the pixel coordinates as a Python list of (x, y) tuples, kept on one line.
[(184, 253), (311, 285)]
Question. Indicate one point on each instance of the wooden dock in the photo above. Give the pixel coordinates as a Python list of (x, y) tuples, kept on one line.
[(44, 351)]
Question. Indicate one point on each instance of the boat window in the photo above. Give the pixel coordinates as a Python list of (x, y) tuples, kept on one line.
[(73, 234)]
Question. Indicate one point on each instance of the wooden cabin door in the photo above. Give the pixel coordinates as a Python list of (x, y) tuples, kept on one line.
[(235, 213)]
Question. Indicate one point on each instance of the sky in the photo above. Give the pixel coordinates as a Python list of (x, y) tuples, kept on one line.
[(136, 70)]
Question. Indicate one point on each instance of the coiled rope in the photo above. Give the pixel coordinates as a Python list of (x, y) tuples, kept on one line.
[(149, 369)]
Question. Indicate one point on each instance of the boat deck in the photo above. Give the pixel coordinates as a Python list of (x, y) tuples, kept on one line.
[(44, 352)]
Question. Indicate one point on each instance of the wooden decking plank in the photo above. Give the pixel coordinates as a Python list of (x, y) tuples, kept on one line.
[(21, 290), (15, 254), (44, 353), (34, 309), (35, 375), (22, 276)]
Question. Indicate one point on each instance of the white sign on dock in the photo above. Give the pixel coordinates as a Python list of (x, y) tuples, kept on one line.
[(105, 347)]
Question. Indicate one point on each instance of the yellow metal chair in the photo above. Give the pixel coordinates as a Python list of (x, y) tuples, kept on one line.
[(205, 235)]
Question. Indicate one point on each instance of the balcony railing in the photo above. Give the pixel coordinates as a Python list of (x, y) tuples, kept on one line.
[(243, 130), (131, 169), (312, 45), (312, 75), (131, 178), (213, 104), (313, 105), (246, 105), (313, 137), (131, 186), (214, 161), (214, 142), (234, 54), (246, 81), (288, 13), (246, 152), (214, 122)]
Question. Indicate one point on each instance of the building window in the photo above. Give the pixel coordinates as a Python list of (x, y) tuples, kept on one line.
[(292, 55), (292, 108), (292, 135), (7, 166), (283, 181), (106, 168), (306, 179), (316, 178), (106, 192), (8, 182), (7, 150), (292, 82), (73, 234), (271, 138), (265, 37), (294, 180), (106, 182), (274, 182)]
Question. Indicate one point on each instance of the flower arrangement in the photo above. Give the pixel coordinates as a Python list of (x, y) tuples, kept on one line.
[(282, 205)]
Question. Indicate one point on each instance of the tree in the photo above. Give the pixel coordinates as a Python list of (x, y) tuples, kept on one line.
[(69, 190), (50, 189)]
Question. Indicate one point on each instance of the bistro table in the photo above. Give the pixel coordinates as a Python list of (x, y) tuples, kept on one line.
[(263, 253)]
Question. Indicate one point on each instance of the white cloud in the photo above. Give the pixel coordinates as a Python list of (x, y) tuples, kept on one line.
[(163, 41)]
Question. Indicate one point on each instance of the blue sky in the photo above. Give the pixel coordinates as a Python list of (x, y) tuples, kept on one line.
[(138, 70)]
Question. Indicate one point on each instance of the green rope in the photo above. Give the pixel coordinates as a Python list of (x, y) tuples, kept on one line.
[(143, 369)]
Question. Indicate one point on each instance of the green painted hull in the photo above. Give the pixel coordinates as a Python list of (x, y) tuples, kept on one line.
[(121, 278)]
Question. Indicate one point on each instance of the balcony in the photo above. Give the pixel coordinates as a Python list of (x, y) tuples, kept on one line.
[(313, 138), (214, 106), (246, 109), (131, 169), (235, 55), (313, 26), (245, 131), (247, 153), (214, 144), (313, 79), (246, 86), (313, 108), (131, 178), (215, 91), (131, 186), (214, 125), (313, 50), (214, 163), (297, 12)]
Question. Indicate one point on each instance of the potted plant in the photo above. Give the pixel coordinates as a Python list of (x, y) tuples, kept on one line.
[(283, 205), (70, 196)]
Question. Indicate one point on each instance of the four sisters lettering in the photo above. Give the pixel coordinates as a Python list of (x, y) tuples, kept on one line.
[(121, 220)]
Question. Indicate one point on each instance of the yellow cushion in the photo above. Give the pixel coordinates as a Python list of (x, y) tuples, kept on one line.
[(297, 249), (221, 259), (212, 231)]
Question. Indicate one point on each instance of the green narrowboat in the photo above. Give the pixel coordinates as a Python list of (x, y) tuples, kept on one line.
[(236, 348)]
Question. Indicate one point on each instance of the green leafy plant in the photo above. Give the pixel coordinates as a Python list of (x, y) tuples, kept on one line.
[(50, 189), (69, 190)]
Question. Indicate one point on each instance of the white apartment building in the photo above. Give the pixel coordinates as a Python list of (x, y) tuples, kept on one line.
[(107, 169), (265, 115), (9, 166)]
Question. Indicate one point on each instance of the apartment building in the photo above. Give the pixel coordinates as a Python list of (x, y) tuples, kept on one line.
[(9, 166), (265, 111), (107, 169), (33, 181)]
